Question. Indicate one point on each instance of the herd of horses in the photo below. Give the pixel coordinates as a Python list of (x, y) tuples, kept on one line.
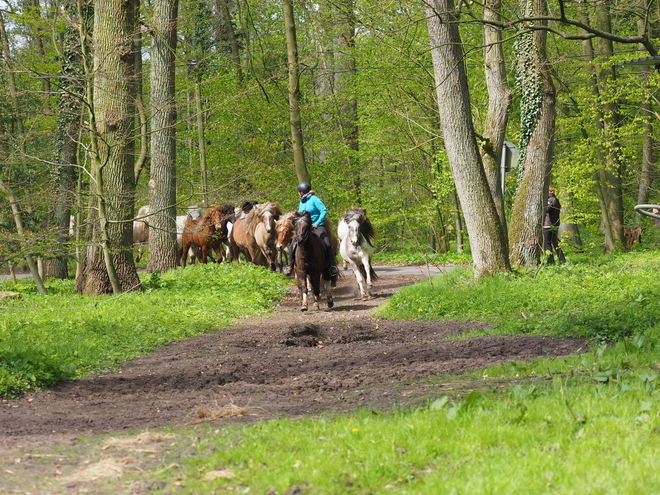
[(262, 234)]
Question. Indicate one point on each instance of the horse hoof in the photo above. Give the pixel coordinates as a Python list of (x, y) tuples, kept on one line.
[(304, 308), (331, 304)]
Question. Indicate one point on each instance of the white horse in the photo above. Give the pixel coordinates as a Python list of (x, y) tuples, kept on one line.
[(356, 234)]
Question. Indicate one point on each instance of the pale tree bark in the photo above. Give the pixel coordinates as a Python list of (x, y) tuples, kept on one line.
[(487, 240), (108, 260), (18, 221), (162, 185), (499, 102), (538, 114), (294, 93)]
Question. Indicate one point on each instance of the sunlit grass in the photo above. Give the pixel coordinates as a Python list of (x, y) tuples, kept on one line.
[(605, 298)]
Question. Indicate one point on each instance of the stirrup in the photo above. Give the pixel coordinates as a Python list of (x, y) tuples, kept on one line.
[(287, 270), (334, 271)]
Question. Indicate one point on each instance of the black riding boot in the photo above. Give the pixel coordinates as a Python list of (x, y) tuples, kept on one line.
[(334, 271), (288, 269)]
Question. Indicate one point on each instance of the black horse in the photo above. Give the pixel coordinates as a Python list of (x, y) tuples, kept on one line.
[(311, 262)]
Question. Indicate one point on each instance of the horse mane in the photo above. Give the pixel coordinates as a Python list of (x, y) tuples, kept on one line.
[(286, 219), (227, 210), (360, 216), (254, 217)]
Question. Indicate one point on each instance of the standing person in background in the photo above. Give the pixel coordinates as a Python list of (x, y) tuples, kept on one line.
[(310, 202), (551, 227)]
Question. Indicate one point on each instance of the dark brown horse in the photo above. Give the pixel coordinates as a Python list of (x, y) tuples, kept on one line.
[(207, 233), (311, 263)]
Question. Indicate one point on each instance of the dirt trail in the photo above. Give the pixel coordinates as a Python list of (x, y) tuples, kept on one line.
[(285, 364)]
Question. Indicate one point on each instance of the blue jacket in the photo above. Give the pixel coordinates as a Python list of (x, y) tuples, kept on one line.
[(313, 204)]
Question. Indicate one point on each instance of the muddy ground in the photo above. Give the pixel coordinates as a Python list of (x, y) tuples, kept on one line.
[(286, 364)]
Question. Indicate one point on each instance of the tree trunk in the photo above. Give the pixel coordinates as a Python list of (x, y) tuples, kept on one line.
[(227, 32), (538, 115), (499, 102), (108, 259), (487, 240), (66, 146), (294, 93), (162, 186)]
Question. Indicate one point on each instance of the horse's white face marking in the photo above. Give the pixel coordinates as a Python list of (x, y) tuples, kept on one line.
[(354, 232), (268, 221)]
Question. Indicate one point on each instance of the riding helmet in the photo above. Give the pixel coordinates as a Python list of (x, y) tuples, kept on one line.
[(304, 187)]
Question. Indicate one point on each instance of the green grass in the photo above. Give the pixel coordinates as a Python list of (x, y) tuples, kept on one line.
[(604, 298), (45, 339), (574, 425)]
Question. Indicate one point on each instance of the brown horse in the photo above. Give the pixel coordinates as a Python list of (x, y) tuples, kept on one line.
[(255, 235), (209, 232), (310, 263)]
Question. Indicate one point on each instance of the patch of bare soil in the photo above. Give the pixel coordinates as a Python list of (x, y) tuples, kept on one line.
[(289, 363)]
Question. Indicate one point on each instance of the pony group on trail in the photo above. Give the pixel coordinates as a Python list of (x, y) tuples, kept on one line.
[(311, 263), (262, 234), (356, 236)]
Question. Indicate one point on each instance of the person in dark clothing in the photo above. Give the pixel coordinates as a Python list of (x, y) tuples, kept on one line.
[(551, 228)]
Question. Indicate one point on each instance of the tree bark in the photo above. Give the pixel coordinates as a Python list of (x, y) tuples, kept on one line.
[(162, 185), (66, 145), (294, 93), (487, 240), (108, 259), (499, 102), (525, 231)]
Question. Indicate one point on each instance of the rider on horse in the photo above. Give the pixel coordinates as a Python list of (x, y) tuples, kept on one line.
[(310, 202)]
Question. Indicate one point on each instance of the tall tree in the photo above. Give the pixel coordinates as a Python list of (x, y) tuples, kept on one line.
[(107, 264), (499, 102), (162, 185), (487, 240), (294, 93), (537, 122)]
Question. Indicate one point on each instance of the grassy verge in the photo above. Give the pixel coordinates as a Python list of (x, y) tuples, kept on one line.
[(45, 339), (604, 298)]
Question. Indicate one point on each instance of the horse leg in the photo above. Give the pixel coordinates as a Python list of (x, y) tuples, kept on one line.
[(185, 245), (366, 263), (302, 288), (315, 282), (357, 271), (328, 292)]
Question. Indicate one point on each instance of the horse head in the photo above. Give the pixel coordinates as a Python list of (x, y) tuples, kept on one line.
[(359, 226), (270, 213), (302, 226), (284, 229)]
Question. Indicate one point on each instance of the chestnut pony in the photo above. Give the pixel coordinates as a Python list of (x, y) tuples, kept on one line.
[(209, 232)]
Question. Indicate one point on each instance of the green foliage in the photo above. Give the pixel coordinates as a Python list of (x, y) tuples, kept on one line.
[(45, 339), (604, 298)]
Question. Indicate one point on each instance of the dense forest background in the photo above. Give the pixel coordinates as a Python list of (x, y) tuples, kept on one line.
[(369, 112)]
